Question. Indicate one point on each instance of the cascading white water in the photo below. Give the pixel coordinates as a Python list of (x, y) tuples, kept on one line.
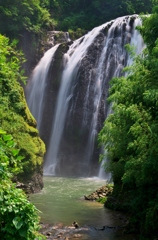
[(73, 57), (88, 66), (136, 41), (37, 83), (101, 77), (103, 165), (138, 44)]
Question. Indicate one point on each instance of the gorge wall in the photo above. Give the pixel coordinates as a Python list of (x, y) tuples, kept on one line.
[(67, 94)]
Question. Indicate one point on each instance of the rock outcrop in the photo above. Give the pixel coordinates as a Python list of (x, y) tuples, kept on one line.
[(100, 193)]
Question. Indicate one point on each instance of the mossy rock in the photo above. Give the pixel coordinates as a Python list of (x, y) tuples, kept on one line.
[(15, 117)]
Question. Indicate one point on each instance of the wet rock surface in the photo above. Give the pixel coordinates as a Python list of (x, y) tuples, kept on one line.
[(59, 231), (102, 192), (32, 184)]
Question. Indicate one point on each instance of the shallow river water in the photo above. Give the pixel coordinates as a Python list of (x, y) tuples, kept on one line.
[(61, 202)]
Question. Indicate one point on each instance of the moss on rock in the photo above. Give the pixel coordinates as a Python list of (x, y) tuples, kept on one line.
[(15, 117)]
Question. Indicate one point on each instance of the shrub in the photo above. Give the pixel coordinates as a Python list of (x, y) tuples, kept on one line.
[(18, 217)]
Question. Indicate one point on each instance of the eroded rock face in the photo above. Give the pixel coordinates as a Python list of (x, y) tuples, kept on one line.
[(32, 184), (91, 62), (35, 45), (55, 37)]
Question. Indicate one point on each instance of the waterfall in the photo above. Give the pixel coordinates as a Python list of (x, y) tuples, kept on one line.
[(102, 174), (80, 106), (73, 57), (37, 83), (138, 43)]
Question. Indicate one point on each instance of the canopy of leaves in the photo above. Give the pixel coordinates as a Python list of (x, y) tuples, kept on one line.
[(76, 15), (16, 16), (86, 14), (130, 134)]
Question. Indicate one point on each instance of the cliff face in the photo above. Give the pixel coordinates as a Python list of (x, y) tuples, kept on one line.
[(17, 120), (35, 45), (74, 95)]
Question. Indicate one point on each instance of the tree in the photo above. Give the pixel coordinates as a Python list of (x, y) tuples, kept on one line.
[(87, 14), (130, 135), (16, 16)]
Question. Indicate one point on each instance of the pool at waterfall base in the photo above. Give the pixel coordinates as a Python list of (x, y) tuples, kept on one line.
[(61, 202)]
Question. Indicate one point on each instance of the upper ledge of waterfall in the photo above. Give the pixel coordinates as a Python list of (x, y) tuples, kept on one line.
[(52, 38)]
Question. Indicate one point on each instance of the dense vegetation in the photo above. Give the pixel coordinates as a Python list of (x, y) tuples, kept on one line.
[(71, 15), (15, 117), (82, 15), (130, 135), (18, 217), (16, 16), (21, 149)]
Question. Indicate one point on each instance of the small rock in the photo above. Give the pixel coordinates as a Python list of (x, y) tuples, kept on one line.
[(75, 224), (77, 235)]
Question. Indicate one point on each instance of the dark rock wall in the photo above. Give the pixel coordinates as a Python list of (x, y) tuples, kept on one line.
[(74, 146)]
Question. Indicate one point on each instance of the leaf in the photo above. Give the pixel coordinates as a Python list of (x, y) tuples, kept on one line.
[(15, 152), (7, 137), (2, 132), (17, 223), (1, 169), (10, 143), (23, 232), (20, 158)]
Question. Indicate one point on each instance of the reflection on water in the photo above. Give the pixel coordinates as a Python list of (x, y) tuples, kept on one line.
[(62, 201)]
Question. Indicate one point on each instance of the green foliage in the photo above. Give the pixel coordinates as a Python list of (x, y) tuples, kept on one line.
[(149, 30), (15, 116), (130, 134), (102, 200), (9, 156), (76, 34), (16, 16), (18, 217), (35, 15), (75, 14)]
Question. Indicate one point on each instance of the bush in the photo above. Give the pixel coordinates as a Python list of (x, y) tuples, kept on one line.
[(18, 217)]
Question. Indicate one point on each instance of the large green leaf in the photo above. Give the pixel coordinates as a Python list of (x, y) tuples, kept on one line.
[(18, 222)]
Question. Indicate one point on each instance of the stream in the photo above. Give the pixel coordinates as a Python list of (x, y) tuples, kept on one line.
[(61, 202)]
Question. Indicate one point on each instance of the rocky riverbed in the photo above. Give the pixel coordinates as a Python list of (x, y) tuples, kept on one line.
[(59, 231), (71, 232)]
